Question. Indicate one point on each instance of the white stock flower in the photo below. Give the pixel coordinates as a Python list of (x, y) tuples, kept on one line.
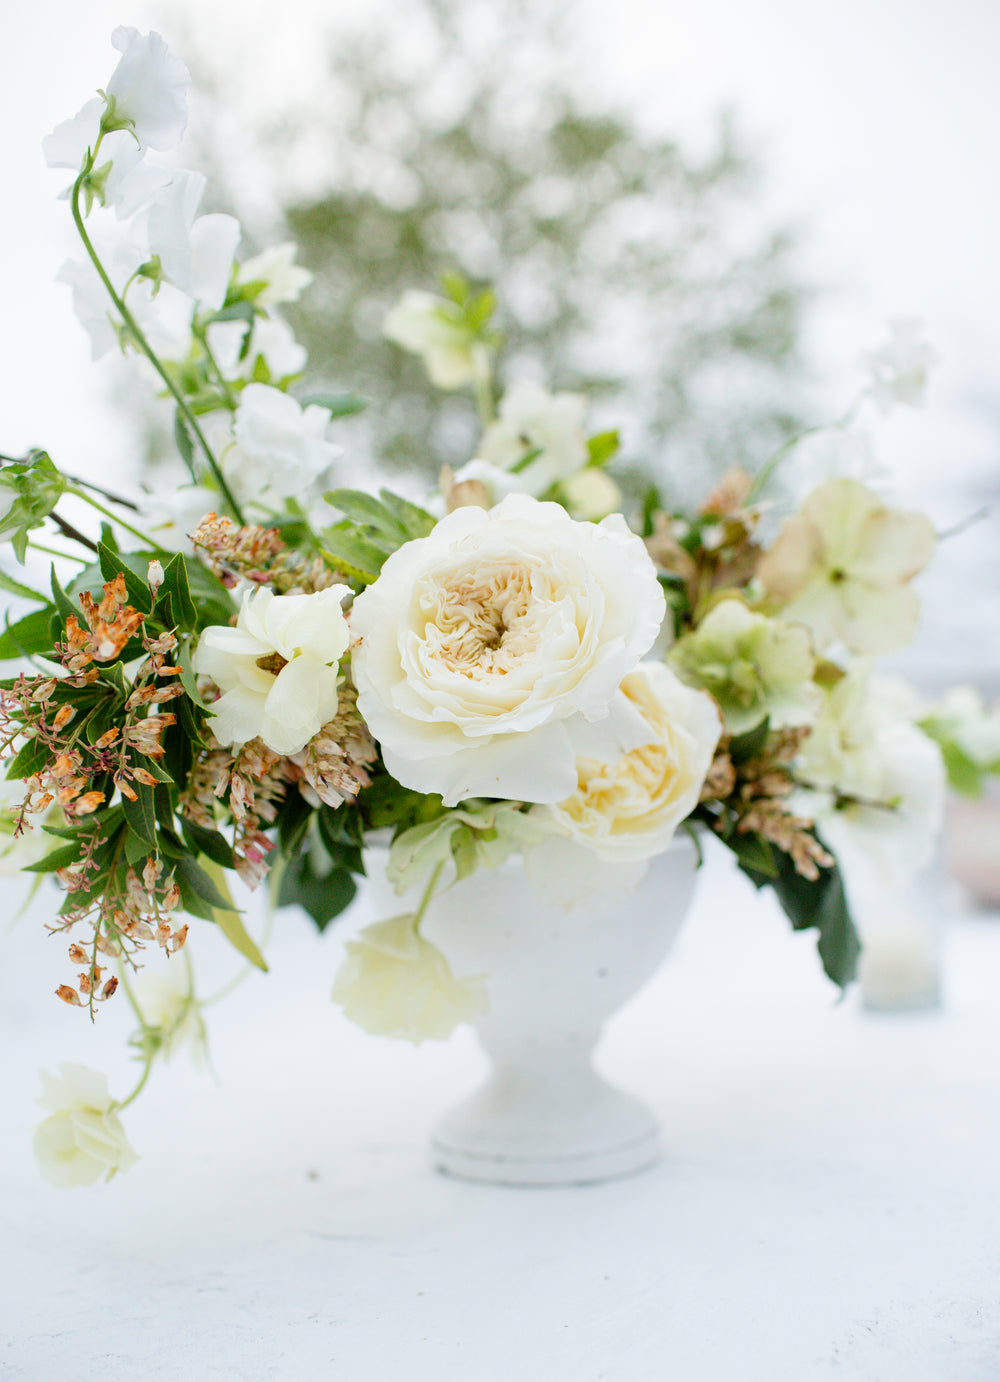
[(395, 983), (281, 448), (277, 669), (547, 427), (899, 368), (842, 566), (489, 654), (83, 1139), (434, 328), (629, 810), (874, 781), (275, 268), (149, 87)]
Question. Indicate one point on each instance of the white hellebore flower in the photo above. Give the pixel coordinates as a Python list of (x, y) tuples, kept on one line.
[(395, 983), (629, 810), (490, 653), (842, 566), (277, 669), (83, 1138), (875, 781), (546, 427), (149, 87), (281, 447), (899, 369), (279, 278), (435, 329)]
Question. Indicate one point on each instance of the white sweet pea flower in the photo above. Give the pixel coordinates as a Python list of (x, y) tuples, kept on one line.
[(71, 140), (281, 448), (875, 782), (149, 88), (282, 279), (83, 1139), (547, 428), (628, 811), (195, 252), (277, 669), (271, 341), (842, 566), (489, 654), (898, 369), (395, 983), (435, 329)]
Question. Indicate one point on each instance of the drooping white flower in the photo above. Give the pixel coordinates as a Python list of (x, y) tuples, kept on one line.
[(628, 811), (277, 669), (489, 654), (843, 564), (275, 268), (395, 983), (898, 369), (149, 88), (170, 1009), (753, 666), (875, 782), (538, 434), (435, 329), (83, 1139), (195, 252), (281, 447), (68, 144)]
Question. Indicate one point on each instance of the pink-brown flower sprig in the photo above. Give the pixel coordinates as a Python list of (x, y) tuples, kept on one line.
[(253, 553)]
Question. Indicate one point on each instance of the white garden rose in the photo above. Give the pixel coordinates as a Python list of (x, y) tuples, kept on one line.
[(629, 810), (490, 654), (83, 1139), (277, 669), (395, 983)]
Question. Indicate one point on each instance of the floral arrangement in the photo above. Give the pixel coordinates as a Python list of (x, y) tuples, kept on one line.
[(264, 676)]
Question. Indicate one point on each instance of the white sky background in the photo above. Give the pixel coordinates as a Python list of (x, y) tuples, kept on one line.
[(877, 123)]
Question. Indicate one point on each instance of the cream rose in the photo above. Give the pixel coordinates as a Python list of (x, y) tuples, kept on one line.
[(395, 983), (83, 1139), (490, 653), (628, 811)]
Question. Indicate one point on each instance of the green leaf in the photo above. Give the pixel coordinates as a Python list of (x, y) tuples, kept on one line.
[(323, 897), (136, 850), (182, 437), (821, 903), (357, 558), (141, 814), (362, 508), (29, 635), (58, 859), (63, 603), (34, 487), (139, 594), (415, 521), (177, 588), (964, 775), (208, 842), (754, 853), (743, 747), (231, 926), (13, 587), (29, 759), (602, 447), (338, 404)]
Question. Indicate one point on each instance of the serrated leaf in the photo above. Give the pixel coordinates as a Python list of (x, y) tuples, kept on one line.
[(354, 556), (13, 587), (29, 635), (139, 594), (415, 521), (141, 814), (364, 509)]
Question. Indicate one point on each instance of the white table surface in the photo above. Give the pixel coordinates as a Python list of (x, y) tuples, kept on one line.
[(827, 1208)]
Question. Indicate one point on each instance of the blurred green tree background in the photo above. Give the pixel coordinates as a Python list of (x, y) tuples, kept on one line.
[(457, 134)]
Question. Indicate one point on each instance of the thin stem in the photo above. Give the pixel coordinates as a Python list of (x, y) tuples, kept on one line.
[(52, 552), (482, 385), (107, 494), (232, 401), (144, 345), (68, 530), (426, 899), (88, 499)]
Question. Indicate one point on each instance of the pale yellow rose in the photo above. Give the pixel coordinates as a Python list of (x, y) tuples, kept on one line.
[(395, 983)]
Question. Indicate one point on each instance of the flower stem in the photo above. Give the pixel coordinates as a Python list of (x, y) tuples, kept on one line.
[(144, 345), (425, 901), (95, 504)]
